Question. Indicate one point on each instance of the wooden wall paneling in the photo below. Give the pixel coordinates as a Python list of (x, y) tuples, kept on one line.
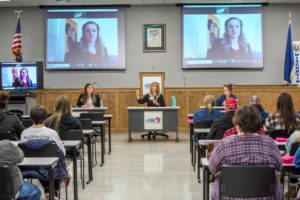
[(188, 98)]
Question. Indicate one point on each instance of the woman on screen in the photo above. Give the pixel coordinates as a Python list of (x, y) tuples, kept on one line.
[(88, 99), (233, 45), (24, 79), (15, 74), (90, 50), (154, 98)]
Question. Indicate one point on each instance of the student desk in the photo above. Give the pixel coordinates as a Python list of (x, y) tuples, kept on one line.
[(40, 164), (152, 119), (89, 134), (102, 125)]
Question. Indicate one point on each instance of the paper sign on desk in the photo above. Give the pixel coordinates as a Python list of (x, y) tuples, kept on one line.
[(153, 120)]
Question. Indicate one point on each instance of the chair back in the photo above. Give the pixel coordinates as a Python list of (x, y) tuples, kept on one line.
[(279, 133), (49, 150), (19, 113), (27, 123), (203, 124), (9, 184), (86, 124), (94, 116), (72, 135), (294, 148), (247, 181), (6, 135)]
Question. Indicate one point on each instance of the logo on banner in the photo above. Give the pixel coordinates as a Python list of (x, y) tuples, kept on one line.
[(153, 120), (295, 76)]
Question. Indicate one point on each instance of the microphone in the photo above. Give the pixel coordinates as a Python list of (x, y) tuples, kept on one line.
[(97, 84)]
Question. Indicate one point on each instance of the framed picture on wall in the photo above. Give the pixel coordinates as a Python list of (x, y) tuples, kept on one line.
[(154, 37), (147, 78)]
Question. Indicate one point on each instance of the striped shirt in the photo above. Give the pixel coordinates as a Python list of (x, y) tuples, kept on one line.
[(251, 150)]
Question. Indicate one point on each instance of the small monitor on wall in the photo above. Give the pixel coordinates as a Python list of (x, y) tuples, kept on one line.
[(22, 75)]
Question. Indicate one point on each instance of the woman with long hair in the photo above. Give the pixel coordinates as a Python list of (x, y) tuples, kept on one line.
[(62, 120), (233, 44), (88, 99), (227, 93), (285, 116), (154, 98)]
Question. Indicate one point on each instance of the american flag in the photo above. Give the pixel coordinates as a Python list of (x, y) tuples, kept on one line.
[(17, 43)]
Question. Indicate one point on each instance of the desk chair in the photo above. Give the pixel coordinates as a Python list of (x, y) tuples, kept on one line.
[(27, 123), (86, 124), (197, 136), (8, 135), (76, 135), (279, 133), (50, 150), (154, 134), (19, 113), (9, 185), (247, 181)]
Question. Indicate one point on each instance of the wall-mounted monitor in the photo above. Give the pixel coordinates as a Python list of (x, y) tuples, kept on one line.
[(21, 75), (222, 36), (85, 38)]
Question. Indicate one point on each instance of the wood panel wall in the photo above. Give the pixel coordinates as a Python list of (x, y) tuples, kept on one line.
[(188, 98)]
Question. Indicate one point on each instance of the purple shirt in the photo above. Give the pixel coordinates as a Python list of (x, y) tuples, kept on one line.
[(254, 150)]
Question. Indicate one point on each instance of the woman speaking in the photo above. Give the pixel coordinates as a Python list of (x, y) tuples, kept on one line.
[(154, 98)]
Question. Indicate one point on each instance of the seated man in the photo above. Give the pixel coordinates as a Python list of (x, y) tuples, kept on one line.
[(10, 154), (221, 124), (38, 115), (9, 121)]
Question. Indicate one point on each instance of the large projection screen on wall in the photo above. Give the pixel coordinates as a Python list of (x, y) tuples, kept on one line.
[(222, 36)]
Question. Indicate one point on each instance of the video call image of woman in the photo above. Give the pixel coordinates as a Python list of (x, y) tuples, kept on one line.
[(233, 44), (23, 80), (90, 49)]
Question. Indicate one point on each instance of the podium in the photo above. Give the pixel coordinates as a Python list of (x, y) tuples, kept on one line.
[(141, 119), (21, 100)]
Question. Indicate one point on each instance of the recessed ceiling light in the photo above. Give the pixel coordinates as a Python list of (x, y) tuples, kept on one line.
[(4, 0)]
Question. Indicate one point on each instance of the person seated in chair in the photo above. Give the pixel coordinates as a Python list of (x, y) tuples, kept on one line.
[(9, 121), (245, 149), (208, 113), (10, 154), (153, 99), (221, 124), (38, 115)]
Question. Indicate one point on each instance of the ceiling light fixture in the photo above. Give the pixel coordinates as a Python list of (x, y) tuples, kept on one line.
[(62, 1)]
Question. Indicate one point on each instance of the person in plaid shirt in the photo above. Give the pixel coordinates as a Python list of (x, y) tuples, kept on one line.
[(247, 148), (285, 116)]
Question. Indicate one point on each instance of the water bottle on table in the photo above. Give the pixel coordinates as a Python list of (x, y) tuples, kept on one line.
[(173, 101)]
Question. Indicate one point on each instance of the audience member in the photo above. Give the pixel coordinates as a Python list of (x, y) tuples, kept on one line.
[(208, 113), (285, 116), (234, 150), (10, 154), (9, 121), (227, 94), (255, 101), (62, 120), (223, 123), (38, 131)]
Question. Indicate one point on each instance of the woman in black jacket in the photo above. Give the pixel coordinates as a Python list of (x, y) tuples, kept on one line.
[(88, 99), (62, 120)]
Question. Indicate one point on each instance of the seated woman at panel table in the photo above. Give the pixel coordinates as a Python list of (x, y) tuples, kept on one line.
[(38, 131), (88, 99), (234, 150), (62, 120), (154, 99), (227, 94)]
